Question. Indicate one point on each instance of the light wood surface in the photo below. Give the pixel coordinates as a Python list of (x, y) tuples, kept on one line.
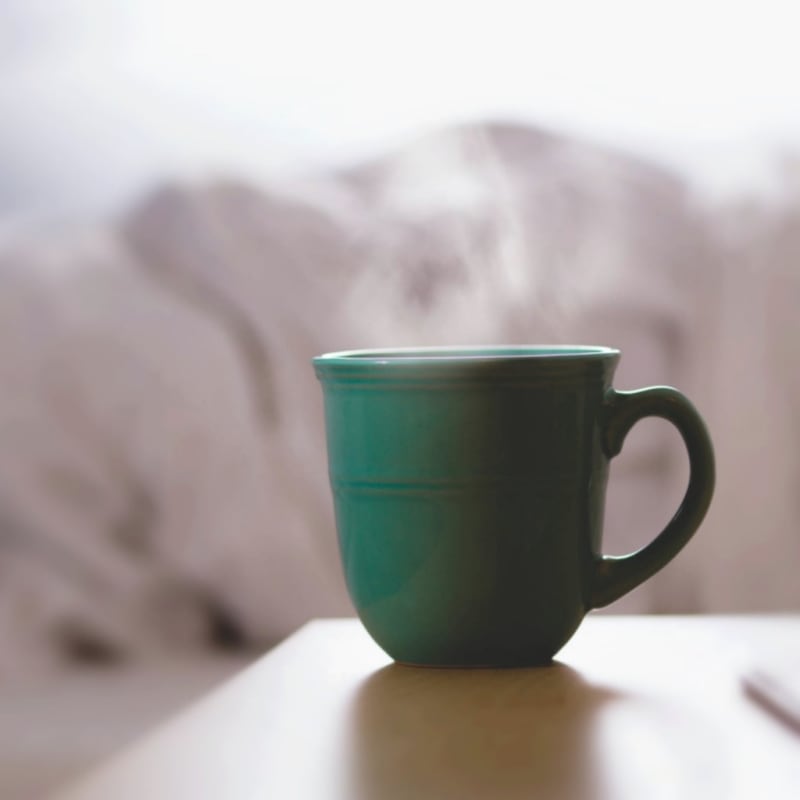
[(636, 707), (55, 727)]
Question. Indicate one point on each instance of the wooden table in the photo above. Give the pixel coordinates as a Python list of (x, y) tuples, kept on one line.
[(636, 707)]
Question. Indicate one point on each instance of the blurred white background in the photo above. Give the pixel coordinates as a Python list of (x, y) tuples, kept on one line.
[(99, 99)]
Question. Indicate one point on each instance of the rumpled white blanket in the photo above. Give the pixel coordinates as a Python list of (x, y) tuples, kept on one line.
[(162, 462)]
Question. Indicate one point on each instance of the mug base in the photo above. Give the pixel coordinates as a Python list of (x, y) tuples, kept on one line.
[(502, 665)]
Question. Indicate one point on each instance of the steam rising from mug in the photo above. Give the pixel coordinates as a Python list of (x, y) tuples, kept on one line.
[(510, 233)]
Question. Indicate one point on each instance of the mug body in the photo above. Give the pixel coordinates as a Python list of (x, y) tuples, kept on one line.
[(468, 486)]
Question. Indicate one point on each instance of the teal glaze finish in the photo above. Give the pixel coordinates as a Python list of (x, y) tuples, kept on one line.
[(469, 487)]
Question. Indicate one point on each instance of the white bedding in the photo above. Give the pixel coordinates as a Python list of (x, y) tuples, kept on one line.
[(162, 465)]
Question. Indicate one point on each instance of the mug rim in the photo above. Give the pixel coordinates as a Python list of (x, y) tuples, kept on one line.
[(460, 353)]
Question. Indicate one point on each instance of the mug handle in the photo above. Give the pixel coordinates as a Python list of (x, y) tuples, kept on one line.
[(614, 576)]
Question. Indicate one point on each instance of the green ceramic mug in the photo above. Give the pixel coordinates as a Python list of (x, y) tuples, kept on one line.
[(469, 486)]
